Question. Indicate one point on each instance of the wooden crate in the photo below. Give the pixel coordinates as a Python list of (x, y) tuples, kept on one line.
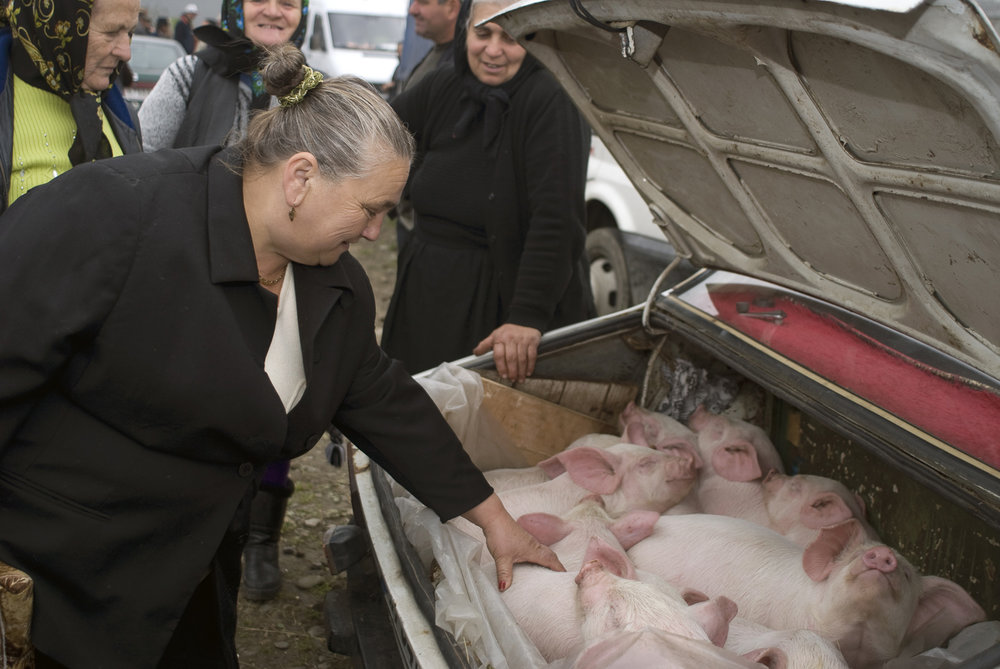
[(541, 417)]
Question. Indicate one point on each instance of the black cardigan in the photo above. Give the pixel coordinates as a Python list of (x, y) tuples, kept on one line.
[(534, 215)]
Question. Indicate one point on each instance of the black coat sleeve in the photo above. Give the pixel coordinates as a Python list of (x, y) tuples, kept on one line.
[(390, 417)]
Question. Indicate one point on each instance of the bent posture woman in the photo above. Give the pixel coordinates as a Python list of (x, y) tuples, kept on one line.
[(203, 320)]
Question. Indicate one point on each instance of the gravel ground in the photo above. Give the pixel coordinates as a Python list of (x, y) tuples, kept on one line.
[(289, 632)]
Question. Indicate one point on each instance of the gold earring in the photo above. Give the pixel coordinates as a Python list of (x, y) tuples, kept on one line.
[(291, 213)]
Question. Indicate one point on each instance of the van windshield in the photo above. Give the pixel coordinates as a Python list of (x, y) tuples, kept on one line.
[(366, 32)]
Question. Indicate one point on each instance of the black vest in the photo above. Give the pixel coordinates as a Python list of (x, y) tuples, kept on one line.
[(211, 104)]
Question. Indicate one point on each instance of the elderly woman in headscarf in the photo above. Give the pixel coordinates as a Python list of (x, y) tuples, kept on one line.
[(206, 98), (497, 254), (58, 107)]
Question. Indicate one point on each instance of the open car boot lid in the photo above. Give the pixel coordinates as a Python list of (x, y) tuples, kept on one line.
[(848, 151)]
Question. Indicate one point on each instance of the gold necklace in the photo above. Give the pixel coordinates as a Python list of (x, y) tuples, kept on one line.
[(272, 282)]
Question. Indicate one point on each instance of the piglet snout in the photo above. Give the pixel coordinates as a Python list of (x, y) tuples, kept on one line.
[(881, 558)]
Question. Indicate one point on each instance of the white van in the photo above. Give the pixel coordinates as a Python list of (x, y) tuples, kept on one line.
[(359, 38)]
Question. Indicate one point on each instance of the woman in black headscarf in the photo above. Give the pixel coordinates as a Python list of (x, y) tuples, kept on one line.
[(207, 97), (497, 253), (57, 104)]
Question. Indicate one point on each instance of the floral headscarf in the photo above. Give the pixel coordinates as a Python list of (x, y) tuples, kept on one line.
[(53, 34), (50, 52), (238, 53)]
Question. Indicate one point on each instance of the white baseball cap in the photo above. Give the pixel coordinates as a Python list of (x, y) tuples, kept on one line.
[(190, 8)]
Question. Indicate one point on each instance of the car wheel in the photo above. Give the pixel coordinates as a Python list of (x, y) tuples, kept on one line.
[(608, 272)]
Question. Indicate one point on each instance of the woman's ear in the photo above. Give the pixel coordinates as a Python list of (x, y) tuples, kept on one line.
[(299, 170)]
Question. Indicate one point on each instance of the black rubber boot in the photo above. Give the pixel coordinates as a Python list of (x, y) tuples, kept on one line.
[(261, 574)]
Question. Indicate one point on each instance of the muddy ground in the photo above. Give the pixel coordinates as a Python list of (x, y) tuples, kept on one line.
[(289, 632)]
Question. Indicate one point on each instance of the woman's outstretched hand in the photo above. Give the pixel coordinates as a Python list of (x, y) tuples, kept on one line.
[(508, 542)]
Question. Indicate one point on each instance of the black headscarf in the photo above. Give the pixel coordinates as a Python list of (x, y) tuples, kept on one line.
[(479, 99), (50, 52), (234, 52)]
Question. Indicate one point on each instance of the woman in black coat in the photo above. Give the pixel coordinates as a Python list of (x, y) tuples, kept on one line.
[(497, 252), (208, 98), (175, 321)]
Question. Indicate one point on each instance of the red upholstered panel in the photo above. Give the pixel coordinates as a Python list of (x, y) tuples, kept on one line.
[(942, 404)]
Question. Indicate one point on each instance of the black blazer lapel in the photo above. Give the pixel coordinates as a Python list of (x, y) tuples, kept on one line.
[(317, 291)]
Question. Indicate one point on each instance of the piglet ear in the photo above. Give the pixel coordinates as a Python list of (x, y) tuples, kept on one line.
[(861, 505), (819, 556), (633, 527), (697, 419), (772, 658), (635, 433), (593, 469), (692, 596), (736, 461), (614, 560), (714, 617), (553, 466), (944, 609), (683, 448), (624, 416), (545, 527), (824, 510), (557, 464)]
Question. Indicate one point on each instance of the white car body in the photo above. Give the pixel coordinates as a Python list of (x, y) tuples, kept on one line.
[(151, 55), (356, 38), (608, 184), (626, 249)]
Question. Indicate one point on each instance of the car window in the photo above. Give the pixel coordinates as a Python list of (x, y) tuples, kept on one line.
[(153, 57), (370, 33)]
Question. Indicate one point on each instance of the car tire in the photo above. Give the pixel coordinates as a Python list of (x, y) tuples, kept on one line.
[(609, 280)]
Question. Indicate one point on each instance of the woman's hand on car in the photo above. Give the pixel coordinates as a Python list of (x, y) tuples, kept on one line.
[(515, 349)]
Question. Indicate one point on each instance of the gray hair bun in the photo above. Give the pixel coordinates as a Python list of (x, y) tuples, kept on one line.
[(282, 69)]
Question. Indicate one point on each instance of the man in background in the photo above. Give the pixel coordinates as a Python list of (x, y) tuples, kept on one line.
[(184, 30), (434, 20), (145, 24), (163, 27)]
